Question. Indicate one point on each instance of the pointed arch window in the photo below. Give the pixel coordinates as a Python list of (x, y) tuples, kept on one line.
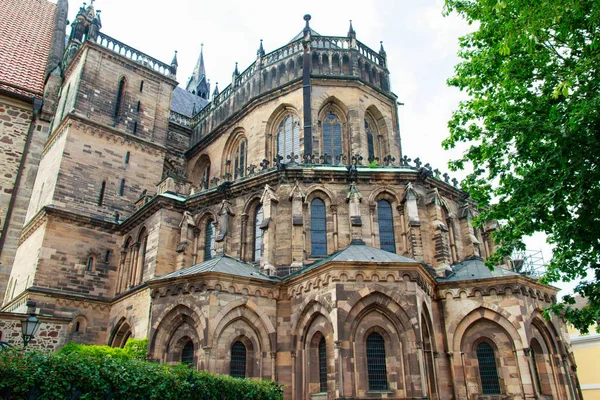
[(370, 140), (322, 366), (258, 233), (239, 162), (385, 216), (318, 228), (101, 195), (122, 188), (488, 371), (238, 360), (209, 240), (332, 137), (376, 363), (90, 264), (288, 138), (119, 98), (187, 354)]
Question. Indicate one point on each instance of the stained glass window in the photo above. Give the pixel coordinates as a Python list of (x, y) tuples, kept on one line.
[(488, 371), (239, 167), (376, 366), (332, 137), (288, 137), (238, 360), (370, 143), (209, 241), (258, 234), (322, 366), (187, 354), (386, 226), (318, 228)]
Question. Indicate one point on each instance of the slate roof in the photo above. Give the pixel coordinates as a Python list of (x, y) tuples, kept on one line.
[(222, 264), (474, 268), (358, 252), (183, 102), (25, 37), (301, 35)]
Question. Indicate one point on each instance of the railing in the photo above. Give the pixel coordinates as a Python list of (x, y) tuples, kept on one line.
[(281, 66), (180, 119), (134, 55)]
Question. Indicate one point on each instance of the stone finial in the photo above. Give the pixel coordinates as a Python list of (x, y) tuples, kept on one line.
[(306, 30), (174, 64), (351, 32), (216, 91), (236, 72), (382, 52), (261, 51)]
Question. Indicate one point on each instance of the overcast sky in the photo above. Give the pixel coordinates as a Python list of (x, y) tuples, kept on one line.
[(421, 46)]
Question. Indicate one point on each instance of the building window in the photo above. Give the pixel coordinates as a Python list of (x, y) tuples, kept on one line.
[(107, 256), (258, 234), (102, 190), (139, 104), (536, 372), (187, 354), (122, 187), (318, 228), (370, 140), (288, 138), (64, 104), (239, 162), (238, 360), (134, 127), (376, 367), (332, 138), (322, 366), (127, 156), (209, 240), (141, 86), (385, 216), (488, 372), (90, 264), (119, 99), (77, 326)]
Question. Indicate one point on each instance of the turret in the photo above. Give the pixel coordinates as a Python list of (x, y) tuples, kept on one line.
[(198, 83)]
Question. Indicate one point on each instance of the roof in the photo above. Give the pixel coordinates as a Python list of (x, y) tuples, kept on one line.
[(183, 102), (301, 34), (222, 264), (358, 252), (26, 28), (474, 268)]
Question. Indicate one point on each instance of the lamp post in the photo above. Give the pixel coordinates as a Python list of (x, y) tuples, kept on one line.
[(28, 328)]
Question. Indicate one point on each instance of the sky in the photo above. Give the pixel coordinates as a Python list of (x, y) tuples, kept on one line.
[(421, 46)]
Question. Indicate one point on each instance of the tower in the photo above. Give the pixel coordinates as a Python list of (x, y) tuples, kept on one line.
[(198, 82)]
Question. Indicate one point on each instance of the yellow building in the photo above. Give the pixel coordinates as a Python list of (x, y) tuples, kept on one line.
[(586, 348)]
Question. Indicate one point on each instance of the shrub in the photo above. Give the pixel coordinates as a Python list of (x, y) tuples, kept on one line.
[(91, 374), (134, 349)]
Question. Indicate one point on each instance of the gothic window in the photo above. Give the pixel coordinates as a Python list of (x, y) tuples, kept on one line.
[(209, 240), (258, 233), (322, 366), (288, 137), (488, 371), (127, 157), (385, 216), (370, 140), (376, 363), (332, 137), (107, 256), (536, 372), (119, 98), (122, 187), (239, 159), (238, 360), (187, 354), (101, 195), (318, 228), (77, 326), (89, 266)]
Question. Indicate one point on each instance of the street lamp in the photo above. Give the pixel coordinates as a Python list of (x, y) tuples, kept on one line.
[(28, 328)]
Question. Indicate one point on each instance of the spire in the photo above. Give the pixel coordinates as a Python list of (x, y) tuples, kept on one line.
[(261, 51), (200, 65), (235, 71), (382, 52), (197, 83), (351, 32), (174, 64), (216, 92)]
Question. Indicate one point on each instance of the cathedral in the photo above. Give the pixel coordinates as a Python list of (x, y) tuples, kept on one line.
[(272, 229)]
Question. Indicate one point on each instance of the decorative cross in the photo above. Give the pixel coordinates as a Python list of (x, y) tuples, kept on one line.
[(214, 181), (388, 160), (437, 173), (325, 158), (418, 162), (427, 166), (341, 159), (357, 159), (251, 169), (446, 177), (277, 161), (455, 182), (292, 157), (307, 158), (405, 160), (227, 176)]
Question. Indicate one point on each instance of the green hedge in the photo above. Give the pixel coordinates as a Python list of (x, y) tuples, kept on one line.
[(134, 349), (73, 374)]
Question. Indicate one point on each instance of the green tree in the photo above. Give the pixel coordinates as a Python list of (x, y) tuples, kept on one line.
[(532, 121)]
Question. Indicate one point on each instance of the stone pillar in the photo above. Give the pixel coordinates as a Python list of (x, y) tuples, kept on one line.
[(269, 202), (121, 271), (243, 238), (297, 197), (335, 227), (471, 243), (437, 208)]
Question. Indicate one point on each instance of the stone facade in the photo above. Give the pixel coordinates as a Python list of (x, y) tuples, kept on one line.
[(282, 219)]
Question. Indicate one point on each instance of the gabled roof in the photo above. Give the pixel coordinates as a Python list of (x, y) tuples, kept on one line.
[(26, 28), (184, 102), (222, 264), (474, 268), (301, 34), (358, 252)]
